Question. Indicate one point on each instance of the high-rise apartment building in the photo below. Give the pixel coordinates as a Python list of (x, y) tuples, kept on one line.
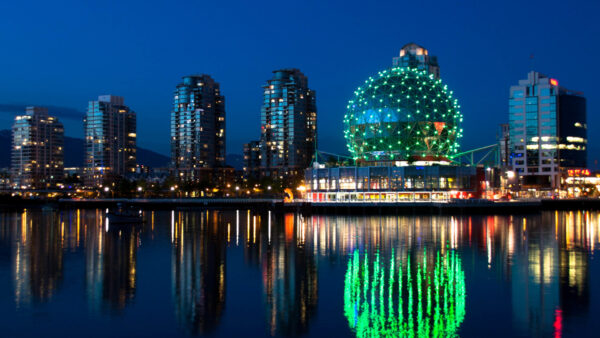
[(37, 150), (548, 130), (252, 159), (110, 140), (415, 56), (197, 128), (288, 125)]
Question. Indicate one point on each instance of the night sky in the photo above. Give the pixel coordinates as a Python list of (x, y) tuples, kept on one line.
[(65, 53)]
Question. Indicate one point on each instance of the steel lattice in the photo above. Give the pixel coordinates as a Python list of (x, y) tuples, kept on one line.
[(402, 114)]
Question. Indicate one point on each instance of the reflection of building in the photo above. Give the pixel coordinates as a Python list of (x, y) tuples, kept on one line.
[(110, 260), (534, 280), (197, 128), (548, 130), (290, 281), (119, 261), (95, 237), (110, 140), (288, 124), (37, 150), (38, 255), (198, 270), (415, 56)]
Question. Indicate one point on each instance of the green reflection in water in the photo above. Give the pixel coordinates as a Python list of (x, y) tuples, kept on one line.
[(424, 299)]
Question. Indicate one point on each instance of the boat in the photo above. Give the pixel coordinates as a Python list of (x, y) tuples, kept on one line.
[(124, 215)]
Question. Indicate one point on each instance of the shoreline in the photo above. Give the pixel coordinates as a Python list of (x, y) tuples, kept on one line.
[(279, 206)]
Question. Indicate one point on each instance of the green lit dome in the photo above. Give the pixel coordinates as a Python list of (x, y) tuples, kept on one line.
[(402, 114)]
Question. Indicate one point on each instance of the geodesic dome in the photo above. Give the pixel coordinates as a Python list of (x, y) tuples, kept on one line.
[(402, 114)]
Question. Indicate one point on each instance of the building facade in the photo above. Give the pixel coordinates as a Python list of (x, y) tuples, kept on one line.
[(504, 144), (252, 160), (548, 131), (37, 157), (197, 128), (288, 125), (393, 184), (415, 56), (110, 140)]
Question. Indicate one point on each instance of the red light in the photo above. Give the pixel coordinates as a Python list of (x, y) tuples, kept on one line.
[(554, 82)]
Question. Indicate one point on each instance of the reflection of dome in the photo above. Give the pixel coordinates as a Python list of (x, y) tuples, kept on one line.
[(402, 114), (426, 299)]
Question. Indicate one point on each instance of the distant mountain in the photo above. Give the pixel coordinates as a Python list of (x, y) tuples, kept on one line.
[(74, 153), (235, 160)]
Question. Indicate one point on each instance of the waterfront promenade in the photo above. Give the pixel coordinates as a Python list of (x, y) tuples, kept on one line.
[(458, 206), (278, 205)]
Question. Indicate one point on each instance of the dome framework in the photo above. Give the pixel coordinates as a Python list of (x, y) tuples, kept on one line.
[(402, 114)]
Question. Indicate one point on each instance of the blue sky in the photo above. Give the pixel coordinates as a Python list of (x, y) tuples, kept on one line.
[(65, 53)]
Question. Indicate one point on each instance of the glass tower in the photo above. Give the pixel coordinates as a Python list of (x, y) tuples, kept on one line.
[(547, 128), (415, 56), (288, 124), (110, 140), (37, 150), (197, 128)]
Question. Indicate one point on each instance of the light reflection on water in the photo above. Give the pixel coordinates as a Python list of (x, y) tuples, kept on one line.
[(200, 272)]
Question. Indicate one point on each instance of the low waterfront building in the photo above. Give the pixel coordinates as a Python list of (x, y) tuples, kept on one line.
[(393, 184), (402, 131)]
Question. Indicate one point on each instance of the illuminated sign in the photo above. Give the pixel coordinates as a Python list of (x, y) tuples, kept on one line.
[(554, 82), (578, 172)]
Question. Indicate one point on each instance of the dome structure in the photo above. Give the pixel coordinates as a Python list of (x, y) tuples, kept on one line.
[(402, 114)]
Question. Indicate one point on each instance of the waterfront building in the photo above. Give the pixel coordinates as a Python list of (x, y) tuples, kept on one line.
[(391, 183), (197, 129), (403, 115), (402, 130), (548, 131), (415, 56), (251, 160), (288, 125), (110, 140), (37, 150), (504, 144)]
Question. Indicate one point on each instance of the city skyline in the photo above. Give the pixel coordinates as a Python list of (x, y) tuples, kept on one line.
[(335, 69)]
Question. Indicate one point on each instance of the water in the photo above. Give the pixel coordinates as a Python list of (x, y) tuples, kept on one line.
[(228, 273)]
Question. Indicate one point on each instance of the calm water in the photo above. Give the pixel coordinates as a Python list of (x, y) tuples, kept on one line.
[(240, 273)]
